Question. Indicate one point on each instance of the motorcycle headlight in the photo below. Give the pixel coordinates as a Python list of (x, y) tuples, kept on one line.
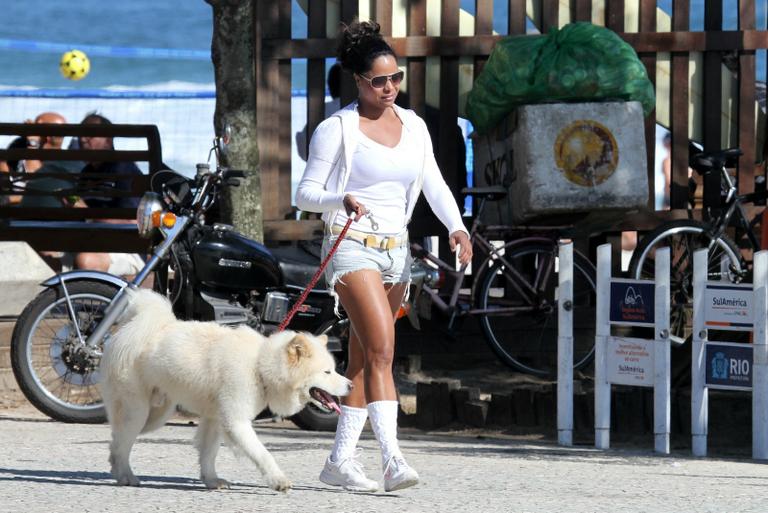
[(149, 207)]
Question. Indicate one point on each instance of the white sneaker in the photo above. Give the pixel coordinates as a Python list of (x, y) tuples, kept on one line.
[(347, 473), (398, 475)]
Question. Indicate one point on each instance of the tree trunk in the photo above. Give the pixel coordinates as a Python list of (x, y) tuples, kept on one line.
[(233, 60)]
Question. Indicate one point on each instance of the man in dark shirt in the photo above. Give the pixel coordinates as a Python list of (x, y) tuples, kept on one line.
[(127, 169), (122, 264)]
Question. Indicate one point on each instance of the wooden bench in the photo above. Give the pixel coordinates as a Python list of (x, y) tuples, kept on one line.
[(77, 229)]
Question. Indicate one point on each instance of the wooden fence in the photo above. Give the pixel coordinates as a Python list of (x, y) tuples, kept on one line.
[(663, 43)]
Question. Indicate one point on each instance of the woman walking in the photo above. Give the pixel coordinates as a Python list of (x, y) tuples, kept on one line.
[(370, 161)]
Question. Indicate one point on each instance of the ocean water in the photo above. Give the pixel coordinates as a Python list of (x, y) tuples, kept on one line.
[(179, 24)]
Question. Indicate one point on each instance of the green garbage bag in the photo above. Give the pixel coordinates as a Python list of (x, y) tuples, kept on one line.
[(580, 62)]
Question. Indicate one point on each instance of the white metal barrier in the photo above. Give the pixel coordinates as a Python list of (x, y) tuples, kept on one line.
[(632, 361), (727, 365), (565, 344)]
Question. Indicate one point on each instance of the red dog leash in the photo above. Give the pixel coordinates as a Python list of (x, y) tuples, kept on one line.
[(315, 278)]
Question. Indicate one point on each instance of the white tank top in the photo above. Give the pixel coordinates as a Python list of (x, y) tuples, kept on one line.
[(380, 179)]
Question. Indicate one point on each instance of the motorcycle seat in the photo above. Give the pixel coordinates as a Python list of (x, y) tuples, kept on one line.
[(299, 265)]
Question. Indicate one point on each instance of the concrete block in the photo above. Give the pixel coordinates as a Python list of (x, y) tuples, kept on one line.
[(501, 410), (462, 396), (425, 416), (476, 413), (21, 272), (560, 159), (525, 413), (545, 403), (442, 405)]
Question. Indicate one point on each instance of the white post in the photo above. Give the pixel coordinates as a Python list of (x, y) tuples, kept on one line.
[(602, 332), (662, 382), (760, 359), (565, 345), (699, 393)]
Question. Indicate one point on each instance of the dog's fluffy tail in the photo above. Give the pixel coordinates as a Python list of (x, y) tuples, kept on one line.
[(146, 313)]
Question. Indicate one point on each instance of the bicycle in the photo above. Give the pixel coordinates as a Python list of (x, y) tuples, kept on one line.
[(684, 236), (514, 292)]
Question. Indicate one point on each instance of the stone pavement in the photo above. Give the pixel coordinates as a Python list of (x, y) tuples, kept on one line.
[(52, 467)]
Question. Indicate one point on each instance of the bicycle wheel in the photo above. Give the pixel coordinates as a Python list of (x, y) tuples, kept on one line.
[(683, 237), (520, 324)]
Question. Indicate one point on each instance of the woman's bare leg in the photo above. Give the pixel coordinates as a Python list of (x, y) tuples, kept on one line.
[(367, 304), (355, 371), (356, 353)]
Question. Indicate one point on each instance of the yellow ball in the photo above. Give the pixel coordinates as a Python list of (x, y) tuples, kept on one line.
[(74, 65)]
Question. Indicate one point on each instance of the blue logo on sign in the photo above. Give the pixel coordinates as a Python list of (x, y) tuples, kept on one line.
[(719, 366), (728, 365)]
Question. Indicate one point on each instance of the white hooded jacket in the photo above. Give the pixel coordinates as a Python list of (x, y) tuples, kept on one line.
[(329, 164)]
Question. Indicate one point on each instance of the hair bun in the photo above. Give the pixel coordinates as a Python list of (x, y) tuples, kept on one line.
[(357, 42), (360, 32)]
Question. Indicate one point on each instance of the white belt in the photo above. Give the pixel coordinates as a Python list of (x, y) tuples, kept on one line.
[(370, 240)]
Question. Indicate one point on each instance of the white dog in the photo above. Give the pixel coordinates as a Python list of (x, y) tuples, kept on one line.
[(225, 375)]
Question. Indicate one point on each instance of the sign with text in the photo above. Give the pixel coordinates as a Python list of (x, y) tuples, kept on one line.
[(632, 302), (629, 361), (728, 365), (728, 307)]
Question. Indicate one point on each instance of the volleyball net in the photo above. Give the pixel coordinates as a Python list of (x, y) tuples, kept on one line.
[(183, 118)]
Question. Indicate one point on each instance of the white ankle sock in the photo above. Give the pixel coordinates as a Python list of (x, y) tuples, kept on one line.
[(384, 423), (351, 424)]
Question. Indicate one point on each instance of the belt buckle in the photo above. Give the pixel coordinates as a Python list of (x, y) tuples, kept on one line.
[(369, 241), (389, 243)]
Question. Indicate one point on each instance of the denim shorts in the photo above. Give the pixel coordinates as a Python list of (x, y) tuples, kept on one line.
[(394, 265)]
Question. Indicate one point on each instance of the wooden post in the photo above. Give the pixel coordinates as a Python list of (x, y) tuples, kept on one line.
[(679, 107), (713, 88)]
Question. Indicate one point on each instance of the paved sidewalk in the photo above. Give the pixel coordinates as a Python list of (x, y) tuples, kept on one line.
[(51, 467)]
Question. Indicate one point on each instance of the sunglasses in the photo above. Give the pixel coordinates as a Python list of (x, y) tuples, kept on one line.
[(380, 81)]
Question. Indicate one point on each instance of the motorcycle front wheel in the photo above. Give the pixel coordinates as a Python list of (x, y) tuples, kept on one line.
[(55, 374), (315, 418)]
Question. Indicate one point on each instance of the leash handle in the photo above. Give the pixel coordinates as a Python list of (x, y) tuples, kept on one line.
[(316, 277)]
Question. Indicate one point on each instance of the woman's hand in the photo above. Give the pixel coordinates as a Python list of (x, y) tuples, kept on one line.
[(354, 206), (461, 239)]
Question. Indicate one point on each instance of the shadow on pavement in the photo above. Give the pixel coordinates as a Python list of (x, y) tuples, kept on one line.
[(60, 477)]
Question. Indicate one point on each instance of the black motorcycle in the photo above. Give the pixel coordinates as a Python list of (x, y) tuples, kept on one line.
[(209, 272)]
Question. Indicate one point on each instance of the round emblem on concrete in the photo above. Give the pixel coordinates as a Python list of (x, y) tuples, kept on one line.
[(586, 152)]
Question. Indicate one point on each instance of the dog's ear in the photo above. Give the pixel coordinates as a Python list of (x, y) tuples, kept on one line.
[(298, 348), (323, 339)]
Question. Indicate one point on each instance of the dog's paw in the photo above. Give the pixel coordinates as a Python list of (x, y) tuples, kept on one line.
[(279, 483), (216, 484), (128, 480)]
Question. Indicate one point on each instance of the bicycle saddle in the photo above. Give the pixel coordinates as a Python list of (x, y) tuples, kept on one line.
[(491, 192), (705, 162)]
